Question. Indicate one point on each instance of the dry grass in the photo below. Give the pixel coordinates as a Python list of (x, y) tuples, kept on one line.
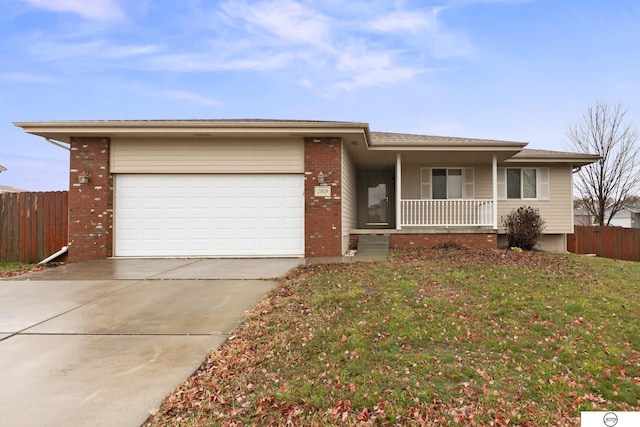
[(447, 337)]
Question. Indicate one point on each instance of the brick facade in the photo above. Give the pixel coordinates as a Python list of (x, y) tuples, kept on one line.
[(323, 215), (471, 240), (90, 204)]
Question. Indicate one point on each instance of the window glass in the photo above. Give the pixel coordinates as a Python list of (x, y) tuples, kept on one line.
[(439, 183), (454, 183), (513, 183), (529, 183)]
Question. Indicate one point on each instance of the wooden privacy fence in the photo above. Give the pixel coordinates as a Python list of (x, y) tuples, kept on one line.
[(33, 225), (608, 242)]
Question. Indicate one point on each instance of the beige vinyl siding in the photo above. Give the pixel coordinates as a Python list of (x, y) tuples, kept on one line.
[(411, 179), (483, 181), (556, 211), (349, 199), (203, 155)]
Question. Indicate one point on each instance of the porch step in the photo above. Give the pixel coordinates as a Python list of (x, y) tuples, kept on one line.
[(372, 247)]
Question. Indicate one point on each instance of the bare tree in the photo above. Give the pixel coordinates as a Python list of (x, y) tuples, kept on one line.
[(605, 185)]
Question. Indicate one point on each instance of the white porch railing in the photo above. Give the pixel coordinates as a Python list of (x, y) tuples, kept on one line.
[(445, 213)]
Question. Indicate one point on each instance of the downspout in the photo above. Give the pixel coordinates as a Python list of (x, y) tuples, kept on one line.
[(573, 225), (54, 256)]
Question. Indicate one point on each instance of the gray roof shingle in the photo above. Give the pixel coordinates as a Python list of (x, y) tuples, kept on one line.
[(390, 138)]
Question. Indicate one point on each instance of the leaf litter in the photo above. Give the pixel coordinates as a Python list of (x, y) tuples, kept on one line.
[(447, 336)]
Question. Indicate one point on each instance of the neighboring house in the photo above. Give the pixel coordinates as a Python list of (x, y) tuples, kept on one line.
[(7, 189), (628, 216), (296, 188), (581, 216)]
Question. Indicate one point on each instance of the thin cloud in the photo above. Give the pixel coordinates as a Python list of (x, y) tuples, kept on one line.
[(378, 78), (332, 51), (27, 77), (201, 62), (52, 50), (321, 46), (406, 21), (95, 10), (288, 21), (190, 97)]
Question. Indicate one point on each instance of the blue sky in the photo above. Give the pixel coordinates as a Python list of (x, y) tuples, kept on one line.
[(515, 70)]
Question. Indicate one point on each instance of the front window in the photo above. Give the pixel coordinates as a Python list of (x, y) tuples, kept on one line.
[(446, 183), (521, 184)]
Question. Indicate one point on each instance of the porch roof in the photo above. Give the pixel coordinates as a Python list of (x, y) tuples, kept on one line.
[(548, 156), (412, 142)]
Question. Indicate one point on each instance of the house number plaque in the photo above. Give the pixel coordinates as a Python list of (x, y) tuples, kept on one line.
[(322, 191)]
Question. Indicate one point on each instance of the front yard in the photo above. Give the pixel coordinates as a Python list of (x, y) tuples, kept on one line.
[(444, 336)]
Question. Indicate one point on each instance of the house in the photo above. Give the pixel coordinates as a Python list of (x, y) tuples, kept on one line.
[(232, 188), (628, 216), (582, 216), (7, 189)]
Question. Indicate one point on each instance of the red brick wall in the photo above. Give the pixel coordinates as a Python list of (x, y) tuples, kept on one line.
[(323, 215), (90, 205), (471, 240)]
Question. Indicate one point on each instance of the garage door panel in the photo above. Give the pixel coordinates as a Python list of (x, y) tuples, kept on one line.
[(209, 215)]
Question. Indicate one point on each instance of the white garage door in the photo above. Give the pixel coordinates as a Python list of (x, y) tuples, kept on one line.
[(209, 215)]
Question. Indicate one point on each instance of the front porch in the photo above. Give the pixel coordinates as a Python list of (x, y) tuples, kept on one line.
[(416, 193), (424, 196)]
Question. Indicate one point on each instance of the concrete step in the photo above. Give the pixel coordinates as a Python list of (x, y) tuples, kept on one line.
[(372, 247), (373, 241)]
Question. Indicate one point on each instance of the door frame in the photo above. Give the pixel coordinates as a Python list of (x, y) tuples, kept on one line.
[(388, 177)]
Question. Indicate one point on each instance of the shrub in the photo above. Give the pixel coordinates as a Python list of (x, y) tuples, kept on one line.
[(524, 227)]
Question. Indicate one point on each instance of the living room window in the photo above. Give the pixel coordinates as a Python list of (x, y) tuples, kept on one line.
[(522, 183), (446, 183)]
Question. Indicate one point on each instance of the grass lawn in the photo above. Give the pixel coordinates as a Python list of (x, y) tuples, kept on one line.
[(443, 336), (14, 268)]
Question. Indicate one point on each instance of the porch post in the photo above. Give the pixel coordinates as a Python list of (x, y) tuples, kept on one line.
[(398, 190), (494, 168)]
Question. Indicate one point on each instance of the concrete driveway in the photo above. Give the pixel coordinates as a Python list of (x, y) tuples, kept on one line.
[(103, 342)]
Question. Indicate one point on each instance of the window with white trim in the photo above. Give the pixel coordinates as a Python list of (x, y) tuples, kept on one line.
[(446, 183), (523, 183)]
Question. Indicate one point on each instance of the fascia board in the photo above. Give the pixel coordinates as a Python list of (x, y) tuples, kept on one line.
[(64, 130)]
